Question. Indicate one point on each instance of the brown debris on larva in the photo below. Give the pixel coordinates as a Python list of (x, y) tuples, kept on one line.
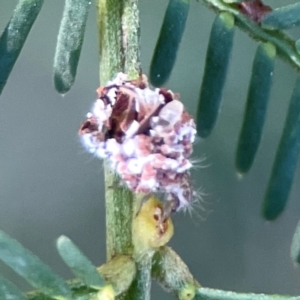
[(146, 135)]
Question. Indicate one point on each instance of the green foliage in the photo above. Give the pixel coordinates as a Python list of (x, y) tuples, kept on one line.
[(119, 52), (216, 65), (283, 17), (119, 272), (285, 161), (9, 291), (256, 106), (79, 264), (168, 42), (27, 265), (69, 43), (248, 18), (14, 36)]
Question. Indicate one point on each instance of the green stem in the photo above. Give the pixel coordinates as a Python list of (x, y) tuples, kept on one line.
[(115, 33), (119, 51), (110, 38), (284, 44), (141, 286), (131, 36), (119, 202), (212, 294)]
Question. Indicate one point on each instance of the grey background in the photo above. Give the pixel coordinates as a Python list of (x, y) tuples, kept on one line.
[(49, 186)]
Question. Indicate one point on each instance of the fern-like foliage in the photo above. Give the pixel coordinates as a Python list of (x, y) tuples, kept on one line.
[(261, 23), (266, 25), (41, 276)]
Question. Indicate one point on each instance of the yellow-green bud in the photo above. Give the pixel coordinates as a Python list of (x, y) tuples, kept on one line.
[(149, 228), (188, 292)]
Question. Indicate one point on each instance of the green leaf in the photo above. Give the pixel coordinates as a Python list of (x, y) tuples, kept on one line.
[(216, 65), (27, 265), (14, 35), (167, 45), (69, 43), (9, 291), (283, 17), (256, 107), (295, 246), (285, 162), (80, 265)]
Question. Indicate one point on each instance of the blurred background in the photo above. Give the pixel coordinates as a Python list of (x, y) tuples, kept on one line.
[(49, 186)]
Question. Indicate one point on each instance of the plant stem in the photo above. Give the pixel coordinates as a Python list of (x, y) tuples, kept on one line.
[(115, 32), (212, 294), (141, 286), (119, 51), (110, 38), (131, 36), (284, 44), (119, 202)]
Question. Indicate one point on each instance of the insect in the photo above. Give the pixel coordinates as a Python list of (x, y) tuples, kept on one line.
[(147, 137)]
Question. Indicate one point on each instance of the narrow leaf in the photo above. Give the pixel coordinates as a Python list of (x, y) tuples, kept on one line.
[(216, 65), (14, 35), (80, 265), (69, 43), (171, 32), (256, 107), (38, 274), (9, 291), (285, 162), (295, 246), (283, 17)]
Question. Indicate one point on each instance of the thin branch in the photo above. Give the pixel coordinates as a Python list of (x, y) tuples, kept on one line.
[(119, 51), (130, 38), (212, 294), (141, 286)]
